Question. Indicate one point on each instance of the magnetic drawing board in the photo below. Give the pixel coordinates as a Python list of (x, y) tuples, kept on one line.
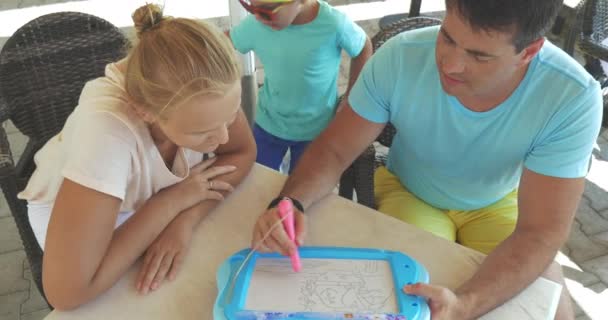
[(323, 285), (335, 283)]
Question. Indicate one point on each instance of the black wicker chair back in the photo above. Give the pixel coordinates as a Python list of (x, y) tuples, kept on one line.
[(589, 30), (43, 68)]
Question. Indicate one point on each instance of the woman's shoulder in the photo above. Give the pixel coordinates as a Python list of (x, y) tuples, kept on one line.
[(104, 105), (107, 90)]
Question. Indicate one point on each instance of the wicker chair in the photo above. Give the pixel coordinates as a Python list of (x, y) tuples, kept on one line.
[(589, 29), (43, 68), (386, 21), (359, 177)]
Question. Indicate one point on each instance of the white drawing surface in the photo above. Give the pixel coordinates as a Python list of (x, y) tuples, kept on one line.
[(323, 285)]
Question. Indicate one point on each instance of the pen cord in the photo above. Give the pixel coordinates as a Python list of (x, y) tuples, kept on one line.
[(253, 250)]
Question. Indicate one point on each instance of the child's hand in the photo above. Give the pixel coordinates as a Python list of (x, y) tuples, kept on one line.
[(277, 239), (202, 184), (165, 256)]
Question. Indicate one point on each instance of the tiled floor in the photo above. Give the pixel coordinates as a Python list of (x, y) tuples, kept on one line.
[(585, 255)]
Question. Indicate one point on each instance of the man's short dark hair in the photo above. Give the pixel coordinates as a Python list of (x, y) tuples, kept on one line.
[(529, 19)]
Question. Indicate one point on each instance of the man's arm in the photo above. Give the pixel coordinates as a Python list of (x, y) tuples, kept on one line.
[(316, 174), (547, 206), (322, 164)]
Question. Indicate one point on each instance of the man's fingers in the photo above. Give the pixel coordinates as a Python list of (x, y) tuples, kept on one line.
[(255, 237), (300, 228), (269, 235), (267, 238), (280, 236), (285, 248), (256, 242), (424, 290)]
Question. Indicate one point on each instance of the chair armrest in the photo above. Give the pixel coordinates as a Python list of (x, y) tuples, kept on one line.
[(7, 166), (363, 170), (359, 178)]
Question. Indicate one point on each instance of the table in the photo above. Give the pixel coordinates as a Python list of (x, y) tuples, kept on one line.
[(334, 221)]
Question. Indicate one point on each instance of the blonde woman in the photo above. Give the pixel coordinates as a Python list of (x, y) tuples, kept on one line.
[(127, 176)]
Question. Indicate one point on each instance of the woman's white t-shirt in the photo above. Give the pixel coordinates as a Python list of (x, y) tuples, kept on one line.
[(104, 146)]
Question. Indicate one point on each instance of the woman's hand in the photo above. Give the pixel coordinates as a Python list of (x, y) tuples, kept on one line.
[(164, 257), (202, 184)]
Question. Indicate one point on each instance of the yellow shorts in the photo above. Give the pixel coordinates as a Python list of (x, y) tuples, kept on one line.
[(481, 229)]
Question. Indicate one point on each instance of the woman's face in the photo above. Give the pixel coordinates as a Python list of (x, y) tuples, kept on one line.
[(201, 123)]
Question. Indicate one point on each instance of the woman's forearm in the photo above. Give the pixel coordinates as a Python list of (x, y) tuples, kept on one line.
[(105, 262)]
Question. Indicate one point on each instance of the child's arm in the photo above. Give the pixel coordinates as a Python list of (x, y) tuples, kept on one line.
[(164, 257), (357, 63)]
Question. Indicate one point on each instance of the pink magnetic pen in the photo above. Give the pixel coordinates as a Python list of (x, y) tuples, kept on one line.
[(286, 213)]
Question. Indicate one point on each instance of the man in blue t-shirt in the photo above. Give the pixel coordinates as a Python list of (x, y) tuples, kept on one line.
[(300, 44), (495, 128)]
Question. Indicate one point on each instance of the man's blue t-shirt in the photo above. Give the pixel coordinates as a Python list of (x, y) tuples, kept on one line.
[(301, 68), (455, 158)]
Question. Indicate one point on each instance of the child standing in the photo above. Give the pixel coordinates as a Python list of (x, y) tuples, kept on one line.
[(300, 44)]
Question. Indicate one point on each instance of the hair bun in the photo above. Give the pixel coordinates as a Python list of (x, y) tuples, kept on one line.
[(147, 17)]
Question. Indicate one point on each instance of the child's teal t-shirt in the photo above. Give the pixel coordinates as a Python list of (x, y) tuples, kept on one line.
[(455, 158), (301, 69)]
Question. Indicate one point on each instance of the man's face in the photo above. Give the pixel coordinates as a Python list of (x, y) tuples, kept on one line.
[(475, 64)]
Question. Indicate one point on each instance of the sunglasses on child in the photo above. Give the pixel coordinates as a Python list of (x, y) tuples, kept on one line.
[(268, 10)]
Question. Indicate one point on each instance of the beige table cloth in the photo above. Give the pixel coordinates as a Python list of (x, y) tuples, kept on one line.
[(334, 221)]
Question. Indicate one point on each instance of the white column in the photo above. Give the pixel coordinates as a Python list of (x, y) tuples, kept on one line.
[(248, 82)]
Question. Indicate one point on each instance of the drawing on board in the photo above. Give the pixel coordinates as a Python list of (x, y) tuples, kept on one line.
[(323, 285)]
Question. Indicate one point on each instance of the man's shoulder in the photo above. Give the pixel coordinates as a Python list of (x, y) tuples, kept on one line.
[(561, 71), (413, 41), (563, 88), (411, 50), (422, 36)]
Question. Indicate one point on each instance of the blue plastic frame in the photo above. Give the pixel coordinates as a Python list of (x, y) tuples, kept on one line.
[(405, 270)]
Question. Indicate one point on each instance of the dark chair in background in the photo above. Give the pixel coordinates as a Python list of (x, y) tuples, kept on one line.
[(359, 177), (589, 29), (43, 68), (386, 21)]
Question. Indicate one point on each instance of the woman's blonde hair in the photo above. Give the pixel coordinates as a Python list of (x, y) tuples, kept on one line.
[(176, 59)]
